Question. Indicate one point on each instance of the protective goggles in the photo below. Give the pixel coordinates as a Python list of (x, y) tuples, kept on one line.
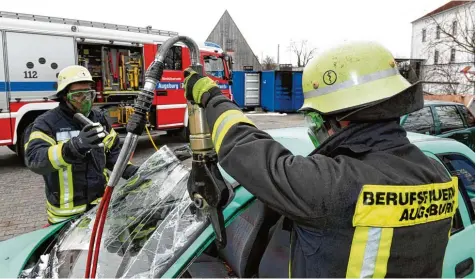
[(317, 128), (81, 95)]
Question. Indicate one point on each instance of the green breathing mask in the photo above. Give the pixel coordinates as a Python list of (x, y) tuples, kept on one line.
[(81, 100), (317, 131)]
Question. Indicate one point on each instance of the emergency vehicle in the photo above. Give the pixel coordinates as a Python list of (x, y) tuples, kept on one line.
[(36, 48)]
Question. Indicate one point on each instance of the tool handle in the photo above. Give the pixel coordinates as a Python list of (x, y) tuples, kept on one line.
[(83, 120)]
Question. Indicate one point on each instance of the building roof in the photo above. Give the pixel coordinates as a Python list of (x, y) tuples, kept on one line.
[(445, 7)]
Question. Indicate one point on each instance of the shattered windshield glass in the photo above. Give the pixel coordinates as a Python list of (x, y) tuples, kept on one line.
[(151, 220)]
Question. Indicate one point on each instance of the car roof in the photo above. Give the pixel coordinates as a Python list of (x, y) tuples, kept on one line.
[(416, 137), (437, 102)]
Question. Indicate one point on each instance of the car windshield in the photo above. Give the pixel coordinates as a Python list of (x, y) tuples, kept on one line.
[(151, 221)]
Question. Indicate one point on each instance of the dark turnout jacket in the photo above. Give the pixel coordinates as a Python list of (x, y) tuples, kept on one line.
[(73, 181), (365, 203)]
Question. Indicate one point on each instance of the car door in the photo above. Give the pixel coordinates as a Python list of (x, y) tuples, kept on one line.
[(459, 256), (450, 124), (420, 121), (469, 122)]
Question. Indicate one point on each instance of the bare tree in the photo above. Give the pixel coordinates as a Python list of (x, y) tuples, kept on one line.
[(445, 78), (452, 35), (304, 53), (456, 32), (268, 63)]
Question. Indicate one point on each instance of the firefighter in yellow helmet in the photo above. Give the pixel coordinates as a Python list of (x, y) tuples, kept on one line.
[(72, 159), (365, 202)]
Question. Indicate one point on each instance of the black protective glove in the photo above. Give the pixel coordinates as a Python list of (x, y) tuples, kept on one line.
[(130, 171), (91, 136)]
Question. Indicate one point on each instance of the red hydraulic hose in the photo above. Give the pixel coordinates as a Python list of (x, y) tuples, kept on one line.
[(103, 204), (100, 230)]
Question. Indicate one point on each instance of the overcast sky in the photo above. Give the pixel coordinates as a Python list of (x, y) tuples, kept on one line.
[(265, 24)]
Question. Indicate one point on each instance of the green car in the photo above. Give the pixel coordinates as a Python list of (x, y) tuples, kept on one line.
[(154, 230), (442, 119)]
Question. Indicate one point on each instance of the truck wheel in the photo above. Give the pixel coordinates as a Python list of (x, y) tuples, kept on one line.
[(21, 146), (184, 134)]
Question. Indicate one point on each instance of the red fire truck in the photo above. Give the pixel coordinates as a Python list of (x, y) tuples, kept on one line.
[(35, 48)]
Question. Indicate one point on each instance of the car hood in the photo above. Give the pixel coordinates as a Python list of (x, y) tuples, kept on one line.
[(15, 252)]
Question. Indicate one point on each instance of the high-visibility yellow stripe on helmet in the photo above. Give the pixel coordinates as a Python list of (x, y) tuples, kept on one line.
[(223, 124), (40, 135)]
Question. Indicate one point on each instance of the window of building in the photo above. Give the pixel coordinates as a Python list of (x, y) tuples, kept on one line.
[(420, 121), (438, 31), (454, 28), (449, 118), (423, 35), (437, 54), (453, 55)]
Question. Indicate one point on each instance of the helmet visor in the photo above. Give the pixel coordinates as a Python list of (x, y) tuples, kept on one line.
[(316, 129)]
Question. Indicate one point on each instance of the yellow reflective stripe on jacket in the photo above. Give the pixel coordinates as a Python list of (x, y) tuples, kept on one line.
[(62, 212), (223, 124), (369, 252), (40, 135), (56, 157), (56, 219), (65, 177), (109, 139), (399, 206)]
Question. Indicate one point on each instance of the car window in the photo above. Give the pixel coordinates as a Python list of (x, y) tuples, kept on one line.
[(420, 121), (449, 118), (463, 168), (467, 115)]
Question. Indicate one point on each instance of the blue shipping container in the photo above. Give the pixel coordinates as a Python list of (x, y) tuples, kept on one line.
[(281, 91), (298, 97), (238, 88)]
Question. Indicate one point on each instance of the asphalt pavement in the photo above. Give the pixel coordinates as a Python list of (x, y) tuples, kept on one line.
[(22, 196)]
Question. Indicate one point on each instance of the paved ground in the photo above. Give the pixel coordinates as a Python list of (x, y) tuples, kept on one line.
[(22, 198)]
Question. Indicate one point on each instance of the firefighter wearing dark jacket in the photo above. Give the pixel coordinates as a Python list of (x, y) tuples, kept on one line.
[(366, 202), (72, 159)]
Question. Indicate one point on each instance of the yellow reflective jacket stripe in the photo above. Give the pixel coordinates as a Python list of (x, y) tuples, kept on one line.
[(40, 135), (58, 211), (369, 252), (223, 124), (56, 157), (380, 209)]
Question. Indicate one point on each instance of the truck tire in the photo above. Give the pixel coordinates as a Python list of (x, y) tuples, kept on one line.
[(184, 134), (20, 146)]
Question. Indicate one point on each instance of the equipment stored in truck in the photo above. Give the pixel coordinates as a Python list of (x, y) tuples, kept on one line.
[(116, 57)]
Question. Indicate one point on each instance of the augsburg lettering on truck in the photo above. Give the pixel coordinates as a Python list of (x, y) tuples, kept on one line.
[(398, 206)]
